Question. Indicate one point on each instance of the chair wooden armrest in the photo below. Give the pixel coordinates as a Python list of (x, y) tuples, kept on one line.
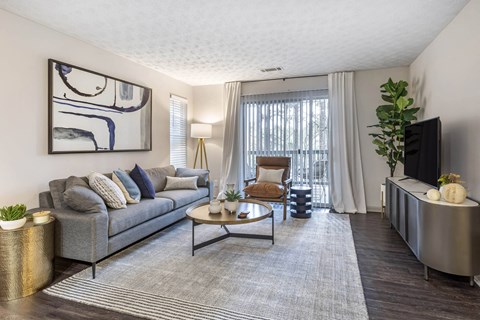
[(287, 183), (247, 181)]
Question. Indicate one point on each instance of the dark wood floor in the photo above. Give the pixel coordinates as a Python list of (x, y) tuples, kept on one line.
[(393, 282), (391, 275)]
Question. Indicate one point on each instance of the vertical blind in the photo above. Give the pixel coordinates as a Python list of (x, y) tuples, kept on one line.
[(293, 124), (178, 131)]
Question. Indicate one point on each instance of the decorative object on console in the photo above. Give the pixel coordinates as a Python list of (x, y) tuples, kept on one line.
[(92, 112), (434, 195), (454, 193), (13, 217), (393, 117), (201, 131), (231, 200), (449, 178), (451, 189)]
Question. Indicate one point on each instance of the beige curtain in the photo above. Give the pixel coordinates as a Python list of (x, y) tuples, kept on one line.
[(345, 164), (232, 142)]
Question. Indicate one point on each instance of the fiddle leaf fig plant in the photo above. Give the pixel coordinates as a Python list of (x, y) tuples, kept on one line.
[(393, 116)]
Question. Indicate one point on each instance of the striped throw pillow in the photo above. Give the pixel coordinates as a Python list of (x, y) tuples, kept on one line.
[(108, 190)]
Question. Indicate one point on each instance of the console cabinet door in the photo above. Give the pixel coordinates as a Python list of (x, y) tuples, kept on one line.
[(412, 223), (402, 199)]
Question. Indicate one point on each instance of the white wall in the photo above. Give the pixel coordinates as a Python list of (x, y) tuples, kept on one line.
[(209, 109), (367, 91), (25, 166), (446, 79)]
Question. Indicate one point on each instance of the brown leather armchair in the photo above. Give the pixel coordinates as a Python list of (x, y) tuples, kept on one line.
[(282, 190)]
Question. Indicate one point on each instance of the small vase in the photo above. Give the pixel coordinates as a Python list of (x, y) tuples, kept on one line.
[(231, 206), (215, 206), (12, 225)]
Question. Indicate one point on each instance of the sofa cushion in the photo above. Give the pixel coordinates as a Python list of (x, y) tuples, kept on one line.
[(181, 198), (178, 183), (264, 190), (135, 214), (57, 188), (143, 182), (108, 190), (80, 197), (202, 175), (127, 185), (270, 175), (158, 176)]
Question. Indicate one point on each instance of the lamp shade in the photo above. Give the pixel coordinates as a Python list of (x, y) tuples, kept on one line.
[(201, 130)]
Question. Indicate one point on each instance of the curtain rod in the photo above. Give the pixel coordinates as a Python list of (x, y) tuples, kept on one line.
[(285, 78)]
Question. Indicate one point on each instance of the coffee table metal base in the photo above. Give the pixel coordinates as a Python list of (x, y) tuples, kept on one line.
[(229, 235)]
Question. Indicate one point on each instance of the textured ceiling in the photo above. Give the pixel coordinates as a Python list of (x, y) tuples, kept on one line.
[(213, 41)]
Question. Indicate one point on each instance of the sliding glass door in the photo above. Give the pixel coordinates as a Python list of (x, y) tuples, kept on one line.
[(293, 124)]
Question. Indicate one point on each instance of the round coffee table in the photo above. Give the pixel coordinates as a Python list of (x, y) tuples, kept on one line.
[(199, 214)]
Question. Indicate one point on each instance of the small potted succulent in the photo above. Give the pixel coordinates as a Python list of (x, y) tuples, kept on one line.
[(231, 200), (13, 217)]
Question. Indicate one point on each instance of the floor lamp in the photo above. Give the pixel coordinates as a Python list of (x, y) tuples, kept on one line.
[(201, 131)]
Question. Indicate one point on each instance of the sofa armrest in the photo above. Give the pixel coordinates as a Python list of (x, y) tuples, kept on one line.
[(81, 236)]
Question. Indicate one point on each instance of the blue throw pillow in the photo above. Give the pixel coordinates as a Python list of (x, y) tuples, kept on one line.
[(127, 185), (143, 182)]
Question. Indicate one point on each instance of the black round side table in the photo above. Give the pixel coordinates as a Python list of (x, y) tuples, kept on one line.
[(301, 202)]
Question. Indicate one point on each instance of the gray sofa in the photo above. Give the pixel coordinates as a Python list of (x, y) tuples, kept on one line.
[(90, 237)]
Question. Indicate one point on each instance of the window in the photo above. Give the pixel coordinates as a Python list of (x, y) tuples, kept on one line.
[(178, 131), (293, 124)]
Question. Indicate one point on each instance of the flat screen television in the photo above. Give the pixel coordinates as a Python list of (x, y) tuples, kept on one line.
[(422, 151)]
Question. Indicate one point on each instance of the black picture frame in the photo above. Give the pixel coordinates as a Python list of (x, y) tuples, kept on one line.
[(90, 112)]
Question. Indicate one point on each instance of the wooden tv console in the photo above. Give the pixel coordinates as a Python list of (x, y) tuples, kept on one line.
[(443, 236)]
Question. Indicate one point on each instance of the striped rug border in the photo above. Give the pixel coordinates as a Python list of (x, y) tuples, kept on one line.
[(138, 303)]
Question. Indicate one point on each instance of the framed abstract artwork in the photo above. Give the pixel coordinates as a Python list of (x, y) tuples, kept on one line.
[(91, 112)]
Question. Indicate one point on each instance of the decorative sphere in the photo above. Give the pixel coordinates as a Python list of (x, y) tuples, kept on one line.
[(454, 193), (433, 194)]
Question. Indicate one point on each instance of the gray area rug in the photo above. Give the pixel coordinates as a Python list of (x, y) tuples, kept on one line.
[(310, 273)]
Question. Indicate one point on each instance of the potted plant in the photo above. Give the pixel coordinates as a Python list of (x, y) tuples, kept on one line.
[(392, 119), (13, 217), (231, 200)]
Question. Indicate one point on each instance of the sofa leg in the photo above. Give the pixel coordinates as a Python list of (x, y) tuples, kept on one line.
[(284, 210), (93, 269)]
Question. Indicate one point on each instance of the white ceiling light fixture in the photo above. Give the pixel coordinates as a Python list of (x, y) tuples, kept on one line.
[(216, 41)]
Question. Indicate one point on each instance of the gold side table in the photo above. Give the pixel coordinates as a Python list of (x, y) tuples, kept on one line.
[(26, 259)]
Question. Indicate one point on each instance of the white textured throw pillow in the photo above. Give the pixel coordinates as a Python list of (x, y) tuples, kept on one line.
[(108, 190), (270, 175), (175, 183)]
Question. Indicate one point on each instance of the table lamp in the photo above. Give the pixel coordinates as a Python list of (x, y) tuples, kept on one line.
[(201, 131)]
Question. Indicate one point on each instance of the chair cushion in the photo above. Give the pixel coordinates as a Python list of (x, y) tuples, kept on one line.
[(270, 175), (177, 183), (107, 189), (80, 197), (264, 190), (202, 175), (158, 176), (129, 188), (135, 214), (181, 198), (143, 182)]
